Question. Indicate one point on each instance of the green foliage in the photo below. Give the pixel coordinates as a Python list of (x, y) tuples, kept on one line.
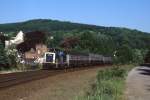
[(139, 55), (8, 58), (147, 57), (115, 72), (12, 56), (109, 85), (4, 64), (124, 54)]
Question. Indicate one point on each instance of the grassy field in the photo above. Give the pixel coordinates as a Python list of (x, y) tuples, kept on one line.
[(110, 84)]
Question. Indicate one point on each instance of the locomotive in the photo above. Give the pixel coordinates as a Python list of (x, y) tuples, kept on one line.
[(60, 59)]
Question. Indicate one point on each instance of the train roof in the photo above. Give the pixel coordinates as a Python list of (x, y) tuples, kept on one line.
[(75, 52)]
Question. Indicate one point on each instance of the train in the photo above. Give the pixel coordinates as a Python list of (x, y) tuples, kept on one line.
[(60, 59)]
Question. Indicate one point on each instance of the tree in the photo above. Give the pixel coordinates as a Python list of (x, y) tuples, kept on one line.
[(124, 54), (69, 42), (147, 57), (138, 55), (4, 64), (12, 55)]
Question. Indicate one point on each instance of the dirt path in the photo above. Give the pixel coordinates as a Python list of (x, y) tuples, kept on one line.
[(60, 87), (138, 84)]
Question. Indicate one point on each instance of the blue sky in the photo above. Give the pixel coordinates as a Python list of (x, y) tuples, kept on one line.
[(134, 14)]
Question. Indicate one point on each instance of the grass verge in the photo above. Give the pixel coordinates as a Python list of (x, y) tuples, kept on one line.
[(110, 84)]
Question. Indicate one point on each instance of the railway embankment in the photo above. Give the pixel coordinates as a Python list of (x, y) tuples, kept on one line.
[(65, 86)]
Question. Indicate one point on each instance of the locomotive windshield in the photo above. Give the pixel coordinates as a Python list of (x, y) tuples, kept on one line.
[(49, 57)]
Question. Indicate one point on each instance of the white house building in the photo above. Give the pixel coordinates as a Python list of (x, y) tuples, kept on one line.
[(16, 40)]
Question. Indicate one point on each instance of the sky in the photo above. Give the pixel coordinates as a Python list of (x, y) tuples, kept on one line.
[(134, 14)]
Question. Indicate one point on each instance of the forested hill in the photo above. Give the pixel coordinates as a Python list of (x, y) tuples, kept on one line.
[(46, 25), (90, 38), (55, 25)]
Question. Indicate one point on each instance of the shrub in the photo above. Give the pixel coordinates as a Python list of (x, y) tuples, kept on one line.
[(109, 85), (4, 64), (115, 72)]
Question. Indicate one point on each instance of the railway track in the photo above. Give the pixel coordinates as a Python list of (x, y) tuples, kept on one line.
[(11, 79), (7, 80)]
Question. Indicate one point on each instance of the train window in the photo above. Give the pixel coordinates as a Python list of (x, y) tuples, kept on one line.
[(49, 57)]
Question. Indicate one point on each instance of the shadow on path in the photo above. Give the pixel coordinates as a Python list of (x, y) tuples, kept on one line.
[(138, 83), (144, 71)]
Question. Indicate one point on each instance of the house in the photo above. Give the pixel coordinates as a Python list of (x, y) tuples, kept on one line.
[(16, 40), (33, 46)]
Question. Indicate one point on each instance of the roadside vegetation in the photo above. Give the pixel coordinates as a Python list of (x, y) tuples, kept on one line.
[(110, 84)]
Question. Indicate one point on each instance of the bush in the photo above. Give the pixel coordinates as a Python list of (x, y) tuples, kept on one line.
[(4, 64), (115, 72), (109, 85)]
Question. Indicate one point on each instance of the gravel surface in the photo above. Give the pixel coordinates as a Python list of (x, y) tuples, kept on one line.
[(138, 84), (60, 87)]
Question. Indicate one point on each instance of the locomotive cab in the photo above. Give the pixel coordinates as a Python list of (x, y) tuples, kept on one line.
[(50, 57), (54, 60)]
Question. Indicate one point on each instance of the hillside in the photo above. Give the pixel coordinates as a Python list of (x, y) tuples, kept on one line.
[(55, 25), (91, 38), (46, 25)]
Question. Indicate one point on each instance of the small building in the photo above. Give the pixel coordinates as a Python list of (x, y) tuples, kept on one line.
[(33, 46), (15, 40)]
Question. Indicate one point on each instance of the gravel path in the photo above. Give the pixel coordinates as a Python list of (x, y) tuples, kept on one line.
[(60, 87), (138, 84)]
